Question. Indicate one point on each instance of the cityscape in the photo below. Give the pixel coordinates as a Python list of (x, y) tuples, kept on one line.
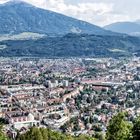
[(69, 70), (74, 95)]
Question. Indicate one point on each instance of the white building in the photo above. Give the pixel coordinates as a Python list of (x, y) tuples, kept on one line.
[(65, 83)]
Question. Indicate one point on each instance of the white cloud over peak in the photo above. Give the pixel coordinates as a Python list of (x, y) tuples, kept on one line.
[(99, 12), (3, 1), (88, 11)]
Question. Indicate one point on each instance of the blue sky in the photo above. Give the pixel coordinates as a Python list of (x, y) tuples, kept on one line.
[(99, 12)]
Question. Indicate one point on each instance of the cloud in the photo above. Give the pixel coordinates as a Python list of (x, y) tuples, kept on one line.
[(88, 11), (93, 11), (99, 12), (3, 1)]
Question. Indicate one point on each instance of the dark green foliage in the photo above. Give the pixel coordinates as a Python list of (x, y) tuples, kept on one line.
[(136, 129), (47, 134), (3, 121), (73, 45), (83, 137), (118, 128)]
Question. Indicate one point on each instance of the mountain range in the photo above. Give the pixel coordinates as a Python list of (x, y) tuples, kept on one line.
[(17, 17), (26, 30), (131, 28)]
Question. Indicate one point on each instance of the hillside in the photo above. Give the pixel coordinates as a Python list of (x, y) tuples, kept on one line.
[(72, 45), (17, 17)]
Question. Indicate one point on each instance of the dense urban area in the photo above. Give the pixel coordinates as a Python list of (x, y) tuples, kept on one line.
[(75, 96)]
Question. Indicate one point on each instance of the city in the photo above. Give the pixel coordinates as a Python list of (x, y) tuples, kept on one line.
[(71, 95), (69, 70)]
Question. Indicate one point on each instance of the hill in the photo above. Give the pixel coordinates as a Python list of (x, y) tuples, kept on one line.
[(72, 45)]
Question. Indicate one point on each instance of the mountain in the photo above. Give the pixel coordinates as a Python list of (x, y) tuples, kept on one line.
[(26, 30), (72, 45), (17, 17), (137, 21), (131, 28)]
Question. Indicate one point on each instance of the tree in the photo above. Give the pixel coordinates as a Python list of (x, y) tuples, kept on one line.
[(44, 133), (136, 129), (118, 128), (99, 136), (84, 137), (32, 134), (2, 135), (47, 134)]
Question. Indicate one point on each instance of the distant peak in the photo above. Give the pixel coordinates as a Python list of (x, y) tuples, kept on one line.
[(14, 2), (17, 2)]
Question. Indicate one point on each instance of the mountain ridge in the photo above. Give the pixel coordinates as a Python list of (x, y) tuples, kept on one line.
[(72, 45), (35, 32), (17, 17), (131, 28)]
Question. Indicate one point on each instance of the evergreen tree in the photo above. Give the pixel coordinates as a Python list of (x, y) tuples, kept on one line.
[(136, 129)]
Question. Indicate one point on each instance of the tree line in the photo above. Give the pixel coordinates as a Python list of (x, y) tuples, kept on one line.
[(118, 129)]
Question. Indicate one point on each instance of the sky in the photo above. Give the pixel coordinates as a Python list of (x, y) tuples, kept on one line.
[(98, 12)]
